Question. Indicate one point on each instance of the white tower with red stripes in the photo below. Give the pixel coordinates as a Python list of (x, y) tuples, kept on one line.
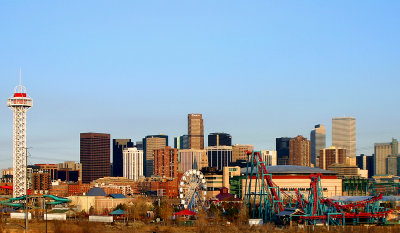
[(19, 103)]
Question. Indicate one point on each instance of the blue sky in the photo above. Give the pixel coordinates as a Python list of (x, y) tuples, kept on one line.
[(255, 69)]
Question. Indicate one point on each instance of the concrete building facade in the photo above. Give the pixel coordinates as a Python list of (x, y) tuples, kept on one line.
[(132, 163), (269, 156)]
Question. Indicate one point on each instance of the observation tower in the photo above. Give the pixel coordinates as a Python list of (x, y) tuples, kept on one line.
[(19, 103)]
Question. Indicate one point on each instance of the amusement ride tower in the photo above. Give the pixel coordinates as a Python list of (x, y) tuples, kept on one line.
[(19, 103)]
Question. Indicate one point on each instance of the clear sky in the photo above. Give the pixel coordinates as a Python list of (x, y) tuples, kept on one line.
[(255, 69)]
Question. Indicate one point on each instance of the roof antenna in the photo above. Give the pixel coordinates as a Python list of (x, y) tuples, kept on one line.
[(20, 82)]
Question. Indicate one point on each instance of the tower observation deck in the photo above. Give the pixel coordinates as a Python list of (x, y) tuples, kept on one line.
[(19, 103)]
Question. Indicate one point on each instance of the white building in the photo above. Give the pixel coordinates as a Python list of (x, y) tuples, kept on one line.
[(132, 163), (269, 156)]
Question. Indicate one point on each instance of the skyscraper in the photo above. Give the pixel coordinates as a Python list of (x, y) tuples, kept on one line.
[(195, 131), (132, 163), (318, 142), (181, 142), (118, 146), (151, 143), (382, 152), (95, 156), (365, 162), (219, 139), (344, 134), (299, 151), (282, 150), (219, 156), (166, 162)]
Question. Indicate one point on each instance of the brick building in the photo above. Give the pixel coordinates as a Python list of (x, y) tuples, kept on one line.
[(166, 162), (331, 155), (300, 151)]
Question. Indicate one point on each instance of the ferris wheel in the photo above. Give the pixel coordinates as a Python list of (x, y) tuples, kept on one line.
[(193, 190)]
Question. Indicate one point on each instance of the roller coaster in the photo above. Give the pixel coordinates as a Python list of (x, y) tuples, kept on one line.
[(264, 201)]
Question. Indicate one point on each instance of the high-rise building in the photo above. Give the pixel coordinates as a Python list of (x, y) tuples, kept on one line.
[(300, 151), (318, 142), (68, 169), (181, 142), (344, 134), (118, 146), (219, 156), (151, 143), (49, 168), (382, 153), (331, 155), (282, 150), (393, 166), (40, 182), (166, 162), (365, 162), (94, 156), (269, 156), (195, 131), (192, 159), (239, 152), (132, 163), (219, 139), (19, 103)]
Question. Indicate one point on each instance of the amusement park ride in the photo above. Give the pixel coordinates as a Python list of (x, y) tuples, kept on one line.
[(193, 190), (264, 201)]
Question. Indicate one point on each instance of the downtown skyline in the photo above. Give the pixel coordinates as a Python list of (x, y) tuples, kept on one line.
[(257, 72)]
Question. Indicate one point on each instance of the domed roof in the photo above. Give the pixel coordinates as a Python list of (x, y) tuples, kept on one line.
[(96, 191)]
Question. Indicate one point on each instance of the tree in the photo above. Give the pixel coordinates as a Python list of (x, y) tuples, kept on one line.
[(166, 210)]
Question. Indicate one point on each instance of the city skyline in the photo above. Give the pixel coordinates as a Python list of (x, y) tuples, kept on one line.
[(276, 70)]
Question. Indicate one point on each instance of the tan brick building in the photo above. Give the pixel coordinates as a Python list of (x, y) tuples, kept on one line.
[(239, 152), (196, 131)]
